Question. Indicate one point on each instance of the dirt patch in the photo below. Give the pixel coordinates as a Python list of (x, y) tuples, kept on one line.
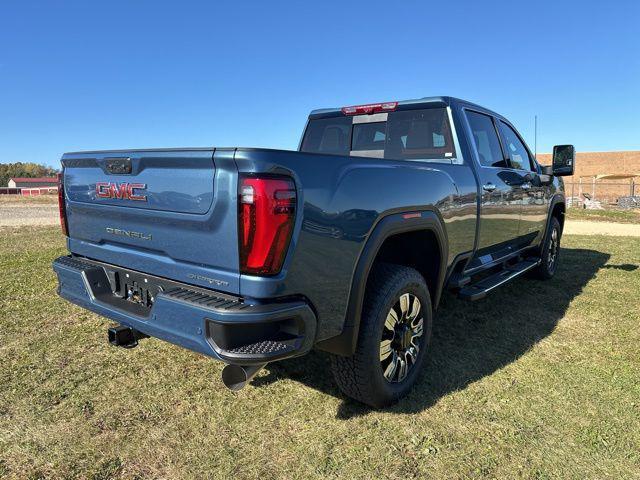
[(572, 227)]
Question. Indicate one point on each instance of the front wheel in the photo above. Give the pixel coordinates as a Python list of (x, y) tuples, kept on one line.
[(394, 334), (550, 252)]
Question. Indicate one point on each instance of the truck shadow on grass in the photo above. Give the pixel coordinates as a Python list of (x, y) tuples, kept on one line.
[(470, 340)]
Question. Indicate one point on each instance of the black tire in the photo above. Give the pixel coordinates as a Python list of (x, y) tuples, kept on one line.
[(550, 252), (361, 376)]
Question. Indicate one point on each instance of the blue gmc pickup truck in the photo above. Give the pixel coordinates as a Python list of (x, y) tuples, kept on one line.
[(252, 255)]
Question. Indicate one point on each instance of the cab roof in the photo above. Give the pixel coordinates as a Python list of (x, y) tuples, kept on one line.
[(444, 101)]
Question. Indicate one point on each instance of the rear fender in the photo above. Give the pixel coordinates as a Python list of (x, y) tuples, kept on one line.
[(345, 343)]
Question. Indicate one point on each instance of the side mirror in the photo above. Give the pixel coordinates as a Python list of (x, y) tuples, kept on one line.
[(564, 160)]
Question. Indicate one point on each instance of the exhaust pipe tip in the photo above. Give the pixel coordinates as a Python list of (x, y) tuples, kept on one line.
[(236, 377)]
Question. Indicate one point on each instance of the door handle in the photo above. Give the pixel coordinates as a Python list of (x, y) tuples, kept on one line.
[(489, 187)]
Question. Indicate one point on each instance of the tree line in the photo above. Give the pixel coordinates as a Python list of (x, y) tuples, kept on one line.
[(19, 169)]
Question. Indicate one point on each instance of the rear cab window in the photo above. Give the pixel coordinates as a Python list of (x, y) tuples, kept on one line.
[(369, 135), (418, 134), (328, 135)]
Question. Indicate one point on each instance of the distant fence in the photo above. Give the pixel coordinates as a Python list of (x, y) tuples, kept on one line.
[(9, 191), (607, 192)]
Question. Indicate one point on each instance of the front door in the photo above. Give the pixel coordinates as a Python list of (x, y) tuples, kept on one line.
[(500, 203), (527, 186)]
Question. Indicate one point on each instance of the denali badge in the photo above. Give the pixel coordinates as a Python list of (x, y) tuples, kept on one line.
[(126, 191), (212, 281), (129, 233)]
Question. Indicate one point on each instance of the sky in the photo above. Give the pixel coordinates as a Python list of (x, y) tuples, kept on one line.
[(134, 74)]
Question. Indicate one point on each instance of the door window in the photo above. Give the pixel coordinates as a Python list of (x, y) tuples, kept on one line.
[(518, 153), (486, 140)]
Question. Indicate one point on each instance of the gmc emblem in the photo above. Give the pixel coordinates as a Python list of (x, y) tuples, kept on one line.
[(125, 191)]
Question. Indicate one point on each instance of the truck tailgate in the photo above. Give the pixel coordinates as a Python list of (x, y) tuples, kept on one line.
[(170, 213)]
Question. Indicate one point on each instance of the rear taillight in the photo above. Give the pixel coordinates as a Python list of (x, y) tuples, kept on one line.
[(61, 206), (266, 213), (370, 108)]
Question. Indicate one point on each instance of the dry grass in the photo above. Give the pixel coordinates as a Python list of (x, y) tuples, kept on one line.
[(541, 380)]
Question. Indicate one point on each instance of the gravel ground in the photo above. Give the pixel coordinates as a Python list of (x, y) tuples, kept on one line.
[(18, 214)]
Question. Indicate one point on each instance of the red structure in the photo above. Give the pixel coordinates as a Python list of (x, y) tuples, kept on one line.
[(36, 182), (31, 186), (38, 191)]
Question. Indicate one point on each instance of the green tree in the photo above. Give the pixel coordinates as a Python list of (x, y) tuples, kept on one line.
[(19, 169)]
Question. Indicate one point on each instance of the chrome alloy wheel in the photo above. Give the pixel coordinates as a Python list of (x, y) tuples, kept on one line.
[(401, 336), (553, 250)]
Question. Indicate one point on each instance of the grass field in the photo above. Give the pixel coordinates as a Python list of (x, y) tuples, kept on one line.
[(619, 216), (540, 380)]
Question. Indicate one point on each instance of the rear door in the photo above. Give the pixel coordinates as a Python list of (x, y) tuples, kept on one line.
[(170, 213), (527, 184), (500, 203)]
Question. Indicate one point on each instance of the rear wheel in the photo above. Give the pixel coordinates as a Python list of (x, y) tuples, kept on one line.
[(550, 252), (395, 331)]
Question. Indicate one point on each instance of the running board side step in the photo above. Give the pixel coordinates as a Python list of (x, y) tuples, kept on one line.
[(477, 291)]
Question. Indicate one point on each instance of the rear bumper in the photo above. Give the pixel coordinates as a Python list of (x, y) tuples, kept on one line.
[(218, 325)]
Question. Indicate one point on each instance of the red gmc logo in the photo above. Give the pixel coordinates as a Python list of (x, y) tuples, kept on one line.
[(125, 191)]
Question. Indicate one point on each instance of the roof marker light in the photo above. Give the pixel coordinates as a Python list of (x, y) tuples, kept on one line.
[(370, 108)]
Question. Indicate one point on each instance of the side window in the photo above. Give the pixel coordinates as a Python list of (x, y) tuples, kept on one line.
[(518, 153), (486, 140)]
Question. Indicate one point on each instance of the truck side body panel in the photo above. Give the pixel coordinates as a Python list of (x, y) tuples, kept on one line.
[(342, 200)]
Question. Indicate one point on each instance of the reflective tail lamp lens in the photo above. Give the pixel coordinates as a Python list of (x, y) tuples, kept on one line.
[(266, 214), (62, 209)]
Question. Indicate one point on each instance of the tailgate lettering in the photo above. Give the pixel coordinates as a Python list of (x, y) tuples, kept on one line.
[(129, 233), (122, 191)]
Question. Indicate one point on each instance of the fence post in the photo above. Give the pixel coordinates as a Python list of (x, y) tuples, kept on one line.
[(580, 187)]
